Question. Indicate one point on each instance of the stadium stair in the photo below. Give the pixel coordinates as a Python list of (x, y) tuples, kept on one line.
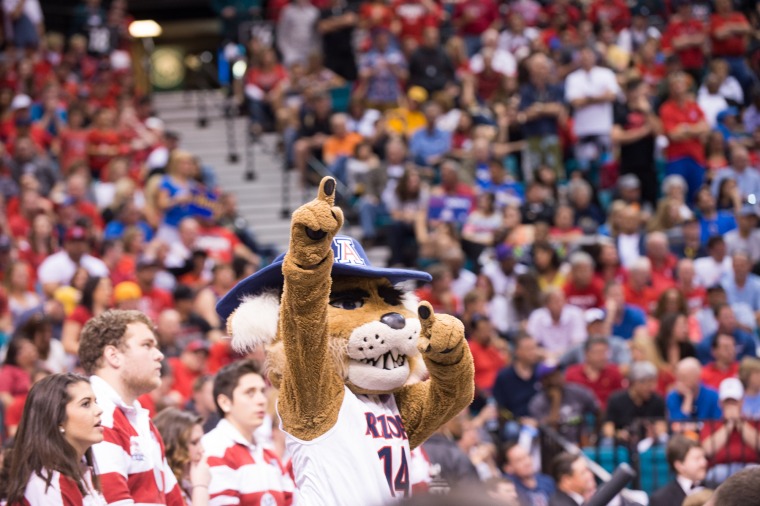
[(260, 201)]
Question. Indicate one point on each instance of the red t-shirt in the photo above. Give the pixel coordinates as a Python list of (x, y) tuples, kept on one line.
[(573, 14), (712, 376), (586, 297), (488, 362), (480, 13), (614, 12), (14, 380), (426, 293), (652, 74), (695, 298), (266, 80), (184, 378), (415, 17), (218, 242), (735, 45), (73, 148), (608, 381), (15, 410), (735, 449), (376, 15), (644, 299), (154, 301), (664, 380), (692, 57), (96, 139), (674, 115), (221, 354), (80, 315), (489, 82)]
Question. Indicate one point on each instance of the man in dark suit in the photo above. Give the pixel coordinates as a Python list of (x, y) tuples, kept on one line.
[(575, 482), (687, 461)]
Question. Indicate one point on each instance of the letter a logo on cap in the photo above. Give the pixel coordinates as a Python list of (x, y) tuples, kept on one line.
[(346, 252)]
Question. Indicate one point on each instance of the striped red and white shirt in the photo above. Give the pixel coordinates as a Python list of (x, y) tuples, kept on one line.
[(244, 473), (62, 491), (131, 460)]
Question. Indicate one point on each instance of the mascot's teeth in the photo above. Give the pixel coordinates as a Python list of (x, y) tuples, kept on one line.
[(386, 361)]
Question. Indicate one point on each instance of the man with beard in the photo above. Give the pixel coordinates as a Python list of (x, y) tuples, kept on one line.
[(120, 352)]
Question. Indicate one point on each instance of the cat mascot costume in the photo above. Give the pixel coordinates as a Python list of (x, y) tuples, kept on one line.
[(348, 351)]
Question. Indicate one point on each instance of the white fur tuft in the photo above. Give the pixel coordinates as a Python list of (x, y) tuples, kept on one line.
[(254, 322), (410, 301)]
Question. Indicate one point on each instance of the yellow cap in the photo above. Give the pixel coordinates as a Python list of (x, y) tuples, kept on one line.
[(126, 290), (68, 296), (417, 93)]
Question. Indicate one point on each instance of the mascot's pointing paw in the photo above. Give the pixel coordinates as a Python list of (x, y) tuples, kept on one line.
[(347, 350)]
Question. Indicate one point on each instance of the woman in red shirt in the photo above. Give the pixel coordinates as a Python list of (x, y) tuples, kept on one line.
[(96, 299), (16, 371), (103, 142), (73, 139), (263, 87)]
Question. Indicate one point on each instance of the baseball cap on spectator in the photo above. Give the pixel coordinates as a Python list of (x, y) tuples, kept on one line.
[(504, 251), (730, 388), (126, 290), (75, 234), (641, 371), (547, 369), (68, 296), (21, 102), (197, 345), (629, 182), (417, 94), (154, 123), (594, 315)]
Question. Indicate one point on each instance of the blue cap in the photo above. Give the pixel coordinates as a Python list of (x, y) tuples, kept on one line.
[(349, 260)]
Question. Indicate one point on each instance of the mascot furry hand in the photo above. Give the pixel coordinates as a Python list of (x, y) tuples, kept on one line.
[(347, 350)]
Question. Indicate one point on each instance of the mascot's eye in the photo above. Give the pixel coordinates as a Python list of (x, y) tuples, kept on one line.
[(348, 304)]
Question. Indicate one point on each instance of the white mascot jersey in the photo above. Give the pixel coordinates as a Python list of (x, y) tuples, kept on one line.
[(362, 461)]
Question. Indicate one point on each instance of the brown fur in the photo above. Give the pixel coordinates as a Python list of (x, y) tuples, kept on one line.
[(308, 359)]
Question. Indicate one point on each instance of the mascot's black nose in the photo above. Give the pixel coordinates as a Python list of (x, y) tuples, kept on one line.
[(393, 320)]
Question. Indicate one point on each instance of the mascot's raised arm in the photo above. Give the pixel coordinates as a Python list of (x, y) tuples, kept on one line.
[(347, 349)]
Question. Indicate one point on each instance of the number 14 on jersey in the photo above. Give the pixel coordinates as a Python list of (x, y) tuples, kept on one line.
[(396, 471)]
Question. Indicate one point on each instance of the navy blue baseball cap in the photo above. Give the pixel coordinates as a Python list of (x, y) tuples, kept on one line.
[(349, 260)]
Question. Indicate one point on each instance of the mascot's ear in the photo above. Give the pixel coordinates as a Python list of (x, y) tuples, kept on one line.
[(254, 322)]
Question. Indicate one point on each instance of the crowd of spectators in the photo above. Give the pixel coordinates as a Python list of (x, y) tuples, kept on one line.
[(581, 179)]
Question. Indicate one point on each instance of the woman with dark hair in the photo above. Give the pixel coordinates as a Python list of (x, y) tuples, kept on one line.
[(51, 461), (672, 341), (16, 372), (407, 206), (673, 301), (608, 266), (526, 298), (547, 263), (39, 330), (182, 432), (96, 299), (40, 243)]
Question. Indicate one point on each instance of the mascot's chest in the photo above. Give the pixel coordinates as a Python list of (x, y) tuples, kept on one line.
[(366, 452)]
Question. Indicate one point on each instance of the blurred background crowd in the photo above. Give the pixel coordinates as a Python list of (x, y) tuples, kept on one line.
[(581, 179)]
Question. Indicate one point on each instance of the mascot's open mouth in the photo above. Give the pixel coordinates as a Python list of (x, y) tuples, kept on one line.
[(387, 361)]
